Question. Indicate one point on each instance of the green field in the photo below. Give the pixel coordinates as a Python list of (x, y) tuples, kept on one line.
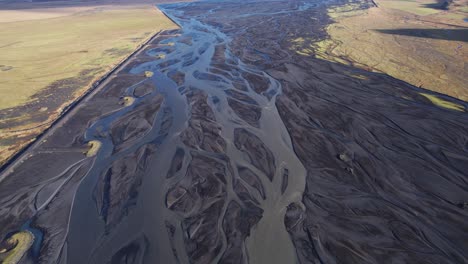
[(35, 53)]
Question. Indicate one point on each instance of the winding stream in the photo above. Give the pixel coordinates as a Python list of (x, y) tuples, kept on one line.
[(219, 143), (263, 245)]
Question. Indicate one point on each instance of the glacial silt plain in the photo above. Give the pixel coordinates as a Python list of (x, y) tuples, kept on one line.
[(218, 142)]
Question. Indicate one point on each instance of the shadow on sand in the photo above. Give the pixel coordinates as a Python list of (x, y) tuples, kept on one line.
[(440, 5), (446, 34)]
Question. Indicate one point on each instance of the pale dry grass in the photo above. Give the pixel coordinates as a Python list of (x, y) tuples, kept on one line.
[(417, 7), (39, 52), (20, 242), (431, 63), (39, 13), (443, 103), (94, 147), (456, 10)]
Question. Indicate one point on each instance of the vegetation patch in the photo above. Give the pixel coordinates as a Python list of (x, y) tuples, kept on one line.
[(117, 52), (128, 100), (351, 9), (358, 76), (14, 248), (160, 56), (94, 146), (443, 103), (149, 74)]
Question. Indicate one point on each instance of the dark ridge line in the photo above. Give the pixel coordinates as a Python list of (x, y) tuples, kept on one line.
[(374, 3), (94, 87), (166, 15)]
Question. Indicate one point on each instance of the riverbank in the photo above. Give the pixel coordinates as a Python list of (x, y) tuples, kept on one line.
[(56, 54)]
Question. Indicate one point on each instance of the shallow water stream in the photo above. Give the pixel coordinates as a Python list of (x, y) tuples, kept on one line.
[(219, 143)]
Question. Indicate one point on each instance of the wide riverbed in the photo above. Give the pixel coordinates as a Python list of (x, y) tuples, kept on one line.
[(221, 143)]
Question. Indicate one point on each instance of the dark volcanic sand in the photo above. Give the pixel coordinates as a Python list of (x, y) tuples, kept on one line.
[(239, 150)]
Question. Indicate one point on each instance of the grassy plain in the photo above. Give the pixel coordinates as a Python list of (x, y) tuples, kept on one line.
[(51, 53), (457, 9), (409, 40), (40, 52), (417, 7)]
